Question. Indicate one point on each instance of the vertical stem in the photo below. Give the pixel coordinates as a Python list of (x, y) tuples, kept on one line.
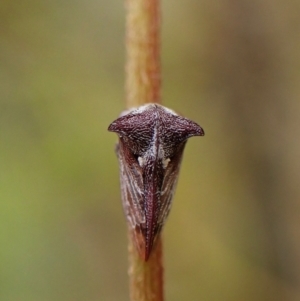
[(146, 278), (143, 83), (143, 47)]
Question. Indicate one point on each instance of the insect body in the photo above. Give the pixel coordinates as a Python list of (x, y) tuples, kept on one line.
[(150, 149)]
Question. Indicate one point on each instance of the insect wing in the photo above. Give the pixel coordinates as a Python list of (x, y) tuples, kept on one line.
[(169, 186), (132, 197)]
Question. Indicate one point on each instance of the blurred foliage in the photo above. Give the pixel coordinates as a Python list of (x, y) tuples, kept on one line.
[(233, 232)]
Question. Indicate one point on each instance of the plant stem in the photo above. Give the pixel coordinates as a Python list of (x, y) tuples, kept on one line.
[(143, 47), (143, 83), (146, 278)]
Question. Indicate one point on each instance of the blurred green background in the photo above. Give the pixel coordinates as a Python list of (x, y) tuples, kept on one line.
[(233, 232)]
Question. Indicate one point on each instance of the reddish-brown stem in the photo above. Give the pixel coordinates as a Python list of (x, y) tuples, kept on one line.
[(143, 82), (146, 278), (143, 78)]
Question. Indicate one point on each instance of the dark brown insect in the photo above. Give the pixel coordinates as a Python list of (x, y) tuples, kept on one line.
[(150, 149)]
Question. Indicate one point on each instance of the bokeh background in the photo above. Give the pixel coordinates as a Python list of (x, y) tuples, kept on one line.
[(234, 229)]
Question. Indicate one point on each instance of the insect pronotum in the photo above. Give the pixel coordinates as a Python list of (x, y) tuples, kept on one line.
[(151, 143)]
